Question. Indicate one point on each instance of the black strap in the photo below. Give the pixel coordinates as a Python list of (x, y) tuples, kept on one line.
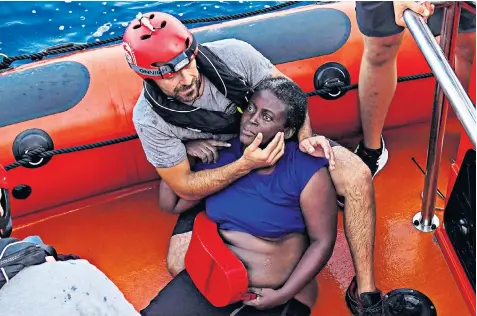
[(6, 219)]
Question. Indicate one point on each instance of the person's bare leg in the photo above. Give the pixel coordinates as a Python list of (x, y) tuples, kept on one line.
[(352, 179), (464, 56), (178, 246), (377, 84)]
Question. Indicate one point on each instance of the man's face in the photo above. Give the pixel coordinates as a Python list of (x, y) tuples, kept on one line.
[(184, 85), (264, 114)]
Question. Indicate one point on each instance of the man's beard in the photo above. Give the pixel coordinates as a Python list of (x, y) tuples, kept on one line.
[(191, 96)]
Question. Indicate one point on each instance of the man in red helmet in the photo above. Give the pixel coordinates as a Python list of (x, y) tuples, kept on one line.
[(191, 105)]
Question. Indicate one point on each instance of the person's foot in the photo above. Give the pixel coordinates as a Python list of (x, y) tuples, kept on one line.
[(375, 159), (366, 304)]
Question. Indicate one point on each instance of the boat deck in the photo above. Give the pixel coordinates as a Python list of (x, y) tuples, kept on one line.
[(125, 234)]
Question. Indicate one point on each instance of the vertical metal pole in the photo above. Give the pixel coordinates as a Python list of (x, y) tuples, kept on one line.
[(426, 220)]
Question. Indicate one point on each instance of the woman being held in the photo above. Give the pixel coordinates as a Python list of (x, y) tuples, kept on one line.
[(281, 221)]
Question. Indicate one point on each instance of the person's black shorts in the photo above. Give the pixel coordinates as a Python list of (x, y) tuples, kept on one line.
[(180, 297), (185, 221), (376, 19)]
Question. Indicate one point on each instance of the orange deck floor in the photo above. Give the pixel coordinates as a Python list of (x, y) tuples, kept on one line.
[(125, 235)]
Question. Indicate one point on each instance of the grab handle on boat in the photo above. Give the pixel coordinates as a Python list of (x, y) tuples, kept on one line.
[(329, 79), (448, 90), (30, 144)]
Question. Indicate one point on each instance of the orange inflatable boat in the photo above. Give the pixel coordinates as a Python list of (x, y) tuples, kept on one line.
[(102, 203)]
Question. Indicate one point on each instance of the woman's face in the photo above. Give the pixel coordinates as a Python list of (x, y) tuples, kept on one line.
[(264, 114)]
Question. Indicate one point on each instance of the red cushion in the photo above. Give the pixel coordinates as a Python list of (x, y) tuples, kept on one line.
[(215, 270)]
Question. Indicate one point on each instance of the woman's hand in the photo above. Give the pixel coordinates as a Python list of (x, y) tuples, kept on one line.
[(267, 298)]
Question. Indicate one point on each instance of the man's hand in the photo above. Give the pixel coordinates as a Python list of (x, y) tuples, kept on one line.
[(424, 8), (255, 157), (318, 146), (206, 149)]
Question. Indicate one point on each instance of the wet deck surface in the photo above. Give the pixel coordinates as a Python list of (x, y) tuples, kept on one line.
[(126, 235)]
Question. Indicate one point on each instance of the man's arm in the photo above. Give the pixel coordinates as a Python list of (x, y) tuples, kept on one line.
[(191, 185), (169, 201), (321, 215), (305, 131), (163, 150)]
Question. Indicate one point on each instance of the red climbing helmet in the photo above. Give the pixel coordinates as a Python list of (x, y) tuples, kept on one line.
[(157, 45)]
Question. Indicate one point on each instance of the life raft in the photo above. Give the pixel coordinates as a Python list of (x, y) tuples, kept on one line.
[(88, 96)]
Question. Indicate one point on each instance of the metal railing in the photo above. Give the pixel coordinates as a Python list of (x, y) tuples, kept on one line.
[(448, 90)]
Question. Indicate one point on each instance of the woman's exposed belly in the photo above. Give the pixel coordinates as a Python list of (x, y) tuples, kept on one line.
[(269, 262)]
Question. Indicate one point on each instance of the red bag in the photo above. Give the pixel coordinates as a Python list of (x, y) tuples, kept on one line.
[(215, 270)]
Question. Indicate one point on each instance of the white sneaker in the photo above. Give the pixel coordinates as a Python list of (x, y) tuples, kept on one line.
[(375, 159)]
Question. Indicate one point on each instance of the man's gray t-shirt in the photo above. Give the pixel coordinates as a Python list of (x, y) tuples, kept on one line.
[(63, 288), (161, 141)]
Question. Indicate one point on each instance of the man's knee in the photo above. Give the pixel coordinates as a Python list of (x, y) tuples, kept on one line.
[(381, 50), (178, 246), (350, 172)]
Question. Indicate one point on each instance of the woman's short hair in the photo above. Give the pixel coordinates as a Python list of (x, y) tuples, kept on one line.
[(291, 95)]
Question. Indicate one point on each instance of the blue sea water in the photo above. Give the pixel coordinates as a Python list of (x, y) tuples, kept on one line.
[(29, 27)]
